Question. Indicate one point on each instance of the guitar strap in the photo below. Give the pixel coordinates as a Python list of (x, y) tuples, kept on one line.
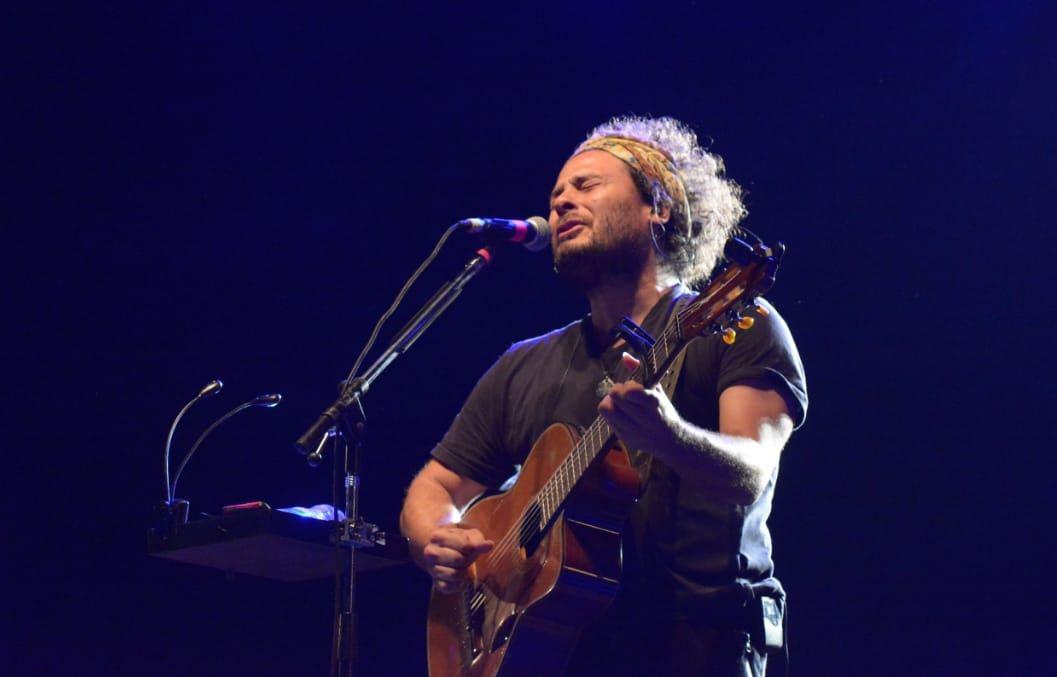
[(671, 377)]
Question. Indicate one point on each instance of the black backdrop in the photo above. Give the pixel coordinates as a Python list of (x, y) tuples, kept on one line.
[(237, 190)]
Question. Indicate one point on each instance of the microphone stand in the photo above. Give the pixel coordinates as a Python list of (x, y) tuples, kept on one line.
[(343, 423)]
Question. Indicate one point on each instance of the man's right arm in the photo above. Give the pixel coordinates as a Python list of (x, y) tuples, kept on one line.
[(430, 521)]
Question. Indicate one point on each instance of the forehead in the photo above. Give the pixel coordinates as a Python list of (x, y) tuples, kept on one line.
[(592, 162)]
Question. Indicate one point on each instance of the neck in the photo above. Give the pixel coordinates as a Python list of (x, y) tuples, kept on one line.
[(615, 299)]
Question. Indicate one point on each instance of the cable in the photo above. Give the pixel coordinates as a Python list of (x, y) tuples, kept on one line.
[(400, 297)]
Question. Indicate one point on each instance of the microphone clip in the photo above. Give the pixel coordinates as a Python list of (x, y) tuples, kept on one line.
[(334, 421)]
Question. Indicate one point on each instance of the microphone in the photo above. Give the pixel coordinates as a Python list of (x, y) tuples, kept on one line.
[(267, 401), (208, 390), (533, 233)]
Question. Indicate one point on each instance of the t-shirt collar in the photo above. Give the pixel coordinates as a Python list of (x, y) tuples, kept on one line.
[(654, 321)]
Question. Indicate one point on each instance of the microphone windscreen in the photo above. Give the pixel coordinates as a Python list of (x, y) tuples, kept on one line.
[(543, 234)]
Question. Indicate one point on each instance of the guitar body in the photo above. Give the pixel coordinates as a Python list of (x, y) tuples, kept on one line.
[(531, 595)]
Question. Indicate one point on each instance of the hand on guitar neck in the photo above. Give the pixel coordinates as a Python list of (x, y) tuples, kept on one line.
[(643, 418), (733, 463)]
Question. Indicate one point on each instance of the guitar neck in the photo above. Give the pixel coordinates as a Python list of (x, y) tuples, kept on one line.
[(598, 437)]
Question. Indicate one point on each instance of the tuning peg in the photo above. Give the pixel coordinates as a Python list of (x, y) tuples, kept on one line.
[(762, 311), (746, 322), (729, 336)]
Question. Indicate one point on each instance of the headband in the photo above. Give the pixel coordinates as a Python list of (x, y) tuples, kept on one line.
[(655, 164)]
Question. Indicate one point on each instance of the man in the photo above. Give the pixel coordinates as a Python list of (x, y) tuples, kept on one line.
[(638, 211)]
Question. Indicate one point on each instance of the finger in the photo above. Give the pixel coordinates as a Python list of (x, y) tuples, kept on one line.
[(606, 405), (630, 395), (465, 541), (436, 554), (618, 420), (449, 574), (629, 361), (446, 587), (446, 536), (625, 387), (476, 541), (638, 396), (616, 392)]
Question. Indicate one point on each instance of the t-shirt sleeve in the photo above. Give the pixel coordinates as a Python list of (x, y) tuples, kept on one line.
[(473, 446), (767, 353)]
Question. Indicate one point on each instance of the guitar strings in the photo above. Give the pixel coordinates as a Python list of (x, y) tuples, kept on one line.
[(597, 433), (532, 514)]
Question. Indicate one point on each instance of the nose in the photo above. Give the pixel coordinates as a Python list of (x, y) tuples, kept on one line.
[(562, 204)]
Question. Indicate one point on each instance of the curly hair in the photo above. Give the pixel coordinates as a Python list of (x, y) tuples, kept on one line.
[(691, 243)]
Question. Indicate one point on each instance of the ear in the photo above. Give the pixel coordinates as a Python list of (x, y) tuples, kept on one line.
[(661, 214)]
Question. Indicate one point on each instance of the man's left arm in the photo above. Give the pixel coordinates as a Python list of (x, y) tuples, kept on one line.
[(732, 464)]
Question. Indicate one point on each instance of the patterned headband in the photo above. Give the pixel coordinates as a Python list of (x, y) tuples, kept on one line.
[(653, 163)]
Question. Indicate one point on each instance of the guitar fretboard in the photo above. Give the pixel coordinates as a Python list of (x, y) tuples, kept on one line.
[(598, 435)]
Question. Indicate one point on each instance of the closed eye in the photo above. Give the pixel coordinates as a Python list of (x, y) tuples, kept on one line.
[(582, 183)]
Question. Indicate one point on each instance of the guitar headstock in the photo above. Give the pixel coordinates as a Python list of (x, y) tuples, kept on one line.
[(729, 302)]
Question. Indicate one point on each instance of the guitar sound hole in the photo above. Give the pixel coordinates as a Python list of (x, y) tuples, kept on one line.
[(531, 532)]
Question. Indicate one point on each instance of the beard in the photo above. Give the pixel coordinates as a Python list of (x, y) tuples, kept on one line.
[(615, 252)]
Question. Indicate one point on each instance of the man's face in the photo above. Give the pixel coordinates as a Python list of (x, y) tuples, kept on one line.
[(599, 221)]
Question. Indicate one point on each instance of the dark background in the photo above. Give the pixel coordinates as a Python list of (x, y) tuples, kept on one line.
[(237, 190)]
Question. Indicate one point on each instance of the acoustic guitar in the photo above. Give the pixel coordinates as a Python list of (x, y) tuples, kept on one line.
[(556, 562)]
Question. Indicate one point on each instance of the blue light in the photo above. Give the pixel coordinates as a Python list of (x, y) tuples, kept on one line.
[(323, 511)]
